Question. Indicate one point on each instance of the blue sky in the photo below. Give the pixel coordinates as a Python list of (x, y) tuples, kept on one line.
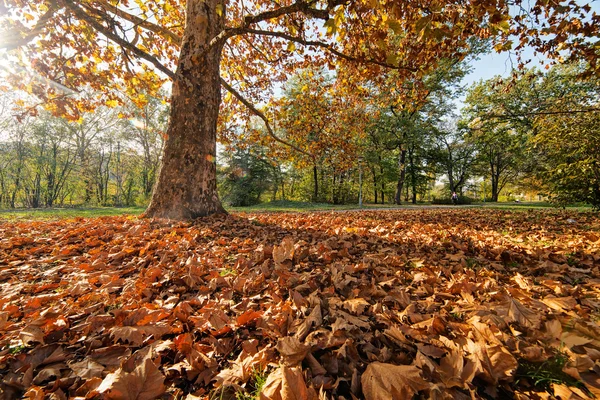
[(493, 64)]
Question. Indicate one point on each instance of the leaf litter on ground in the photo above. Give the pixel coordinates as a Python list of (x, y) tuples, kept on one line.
[(441, 304)]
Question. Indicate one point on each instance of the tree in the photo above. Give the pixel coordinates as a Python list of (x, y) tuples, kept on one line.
[(324, 125), (501, 142), (566, 137), (146, 129), (201, 45), (247, 176), (453, 155), (409, 111)]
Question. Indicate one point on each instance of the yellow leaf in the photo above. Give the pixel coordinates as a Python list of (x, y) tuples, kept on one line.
[(395, 26), (331, 26)]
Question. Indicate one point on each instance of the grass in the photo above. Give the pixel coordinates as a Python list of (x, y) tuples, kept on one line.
[(291, 206), (256, 383), (535, 205), (66, 213), (273, 206), (251, 391), (543, 375)]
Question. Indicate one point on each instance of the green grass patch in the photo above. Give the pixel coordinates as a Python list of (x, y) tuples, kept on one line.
[(543, 374), (292, 206), (65, 213), (255, 385), (533, 205)]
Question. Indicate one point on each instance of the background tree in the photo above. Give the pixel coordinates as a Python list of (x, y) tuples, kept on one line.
[(246, 177), (324, 125), (453, 154), (500, 143), (566, 139)]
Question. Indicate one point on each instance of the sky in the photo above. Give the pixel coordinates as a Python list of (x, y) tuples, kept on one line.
[(493, 64)]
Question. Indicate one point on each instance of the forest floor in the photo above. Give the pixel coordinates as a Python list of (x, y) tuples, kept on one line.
[(444, 303)]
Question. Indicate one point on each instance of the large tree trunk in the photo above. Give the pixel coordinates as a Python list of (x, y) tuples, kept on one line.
[(187, 187)]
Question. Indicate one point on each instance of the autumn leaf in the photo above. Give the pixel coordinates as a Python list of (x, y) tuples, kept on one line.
[(292, 351), (137, 334), (517, 312), (145, 382), (322, 318), (286, 384), (87, 369), (284, 252), (382, 381)]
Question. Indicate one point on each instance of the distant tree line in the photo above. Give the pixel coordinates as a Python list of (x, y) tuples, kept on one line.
[(536, 132), (108, 157)]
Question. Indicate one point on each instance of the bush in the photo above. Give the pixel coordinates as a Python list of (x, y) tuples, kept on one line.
[(462, 200)]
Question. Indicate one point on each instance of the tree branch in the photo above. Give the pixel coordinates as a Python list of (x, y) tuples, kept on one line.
[(137, 21), (262, 116), (534, 113), (300, 6), (117, 39), (13, 40), (326, 46)]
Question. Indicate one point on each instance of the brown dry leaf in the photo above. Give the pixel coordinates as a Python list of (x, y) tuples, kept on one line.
[(286, 384), (87, 369), (554, 329), (517, 312), (572, 339), (31, 335), (313, 321), (384, 381), (356, 306), (136, 335), (380, 291), (292, 351), (348, 322), (533, 354), (564, 392), (592, 382), (145, 382), (283, 252), (562, 304)]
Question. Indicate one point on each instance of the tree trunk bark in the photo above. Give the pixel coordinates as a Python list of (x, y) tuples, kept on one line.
[(382, 180), (186, 187), (402, 176), (316, 184), (374, 182)]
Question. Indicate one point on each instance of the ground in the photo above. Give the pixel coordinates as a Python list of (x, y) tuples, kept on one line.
[(437, 303)]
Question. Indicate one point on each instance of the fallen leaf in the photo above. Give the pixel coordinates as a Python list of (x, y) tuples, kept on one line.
[(145, 382), (384, 381), (517, 312)]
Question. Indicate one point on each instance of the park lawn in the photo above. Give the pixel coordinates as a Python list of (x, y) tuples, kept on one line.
[(273, 206), (463, 301), (59, 213)]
